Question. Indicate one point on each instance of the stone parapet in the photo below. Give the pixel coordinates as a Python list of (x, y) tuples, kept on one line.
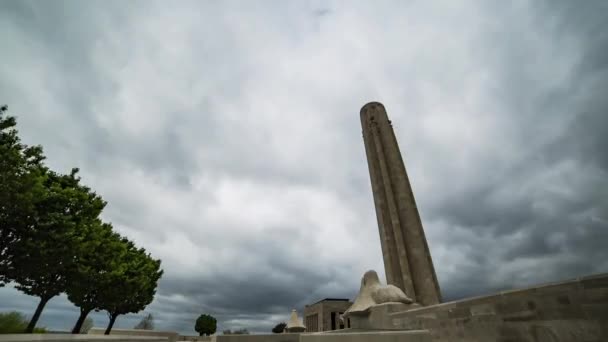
[(171, 336), (286, 337), (369, 336), (573, 310), (78, 338)]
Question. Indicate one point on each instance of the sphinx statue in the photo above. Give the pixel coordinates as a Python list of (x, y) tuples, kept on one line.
[(373, 293)]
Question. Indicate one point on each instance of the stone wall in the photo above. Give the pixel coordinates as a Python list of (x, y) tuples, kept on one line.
[(78, 338), (367, 336), (170, 335), (575, 310), (259, 338), (196, 338)]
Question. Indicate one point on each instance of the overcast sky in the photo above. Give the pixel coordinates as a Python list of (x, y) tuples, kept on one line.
[(225, 137)]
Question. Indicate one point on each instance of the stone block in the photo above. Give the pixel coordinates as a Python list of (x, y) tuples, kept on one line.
[(457, 312), (511, 333), (603, 323), (170, 335), (78, 338), (565, 330), (508, 307), (595, 282), (373, 336), (484, 319), (382, 316), (595, 311), (259, 338), (516, 293), (559, 288), (490, 299), (483, 309), (595, 295), (520, 316)]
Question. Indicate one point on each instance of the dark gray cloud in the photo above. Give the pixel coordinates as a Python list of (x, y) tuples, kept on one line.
[(226, 139)]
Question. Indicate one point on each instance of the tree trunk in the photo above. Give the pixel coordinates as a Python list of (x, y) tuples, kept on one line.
[(111, 324), (83, 316), (34, 320)]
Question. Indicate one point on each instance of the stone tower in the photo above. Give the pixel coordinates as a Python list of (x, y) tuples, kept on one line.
[(407, 260)]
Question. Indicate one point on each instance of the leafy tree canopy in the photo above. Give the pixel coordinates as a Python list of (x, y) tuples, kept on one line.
[(52, 240), (279, 328), (205, 325), (96, 250), (45, 254), (41, 215), (20, 186), (131, 285)]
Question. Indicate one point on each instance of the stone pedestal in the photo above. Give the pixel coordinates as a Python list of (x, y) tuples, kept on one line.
[(378, 316), (369, 336)]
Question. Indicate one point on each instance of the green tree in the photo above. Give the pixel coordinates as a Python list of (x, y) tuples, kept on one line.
[(279, 328), (131, 285), (40, 214), (44, 257), (96, 251), (21, 171), (146, 323), (205, 325)]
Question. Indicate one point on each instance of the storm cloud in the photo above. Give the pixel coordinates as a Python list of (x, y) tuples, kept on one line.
[(226, 138)]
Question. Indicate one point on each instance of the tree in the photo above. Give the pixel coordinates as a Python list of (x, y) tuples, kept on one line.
[(227, 332), (279, 328), (52, 241), (146, 323), (131, 285), (41, 212), (205, 325), (44, 255), (96, 251), (20, 186), (86, 325)]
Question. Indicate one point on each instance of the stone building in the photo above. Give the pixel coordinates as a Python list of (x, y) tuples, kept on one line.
[(324, 315)]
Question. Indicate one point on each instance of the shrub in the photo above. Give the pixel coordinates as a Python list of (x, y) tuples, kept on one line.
[(15, 323)]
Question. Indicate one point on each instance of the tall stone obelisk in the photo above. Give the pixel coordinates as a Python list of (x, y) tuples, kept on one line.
[(407, 260)]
